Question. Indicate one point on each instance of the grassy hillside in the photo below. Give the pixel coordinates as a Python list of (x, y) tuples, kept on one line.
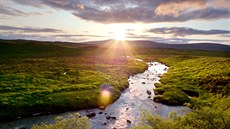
[(57, 78)]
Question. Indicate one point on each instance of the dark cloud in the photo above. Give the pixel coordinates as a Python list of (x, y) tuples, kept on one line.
[(29, 29), (117, 11), (183, 31)]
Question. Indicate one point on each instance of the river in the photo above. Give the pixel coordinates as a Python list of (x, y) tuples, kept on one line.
[(123, 113)]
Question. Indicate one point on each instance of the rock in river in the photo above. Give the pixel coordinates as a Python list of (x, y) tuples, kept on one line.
[(148, 92), (91, 115), (128, 121)]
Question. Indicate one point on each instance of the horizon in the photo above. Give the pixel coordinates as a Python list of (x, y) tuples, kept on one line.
[(171, 22), (107, 40)]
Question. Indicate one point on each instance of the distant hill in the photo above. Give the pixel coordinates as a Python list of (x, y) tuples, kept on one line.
[(137, 43), (151, 44)]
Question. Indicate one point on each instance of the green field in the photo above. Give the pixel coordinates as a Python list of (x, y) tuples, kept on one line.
[(57, 78), (60, 78)]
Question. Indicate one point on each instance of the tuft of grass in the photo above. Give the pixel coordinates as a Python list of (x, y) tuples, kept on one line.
[(172, 98)]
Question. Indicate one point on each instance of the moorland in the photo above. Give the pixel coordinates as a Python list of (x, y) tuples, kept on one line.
[(62, 77)]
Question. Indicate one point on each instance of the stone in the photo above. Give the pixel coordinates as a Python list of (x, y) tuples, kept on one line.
[(148, 92), (107, 117), (91, 115), (113, 117)]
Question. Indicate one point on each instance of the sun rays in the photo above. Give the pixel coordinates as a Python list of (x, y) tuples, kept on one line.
[(116, 50)]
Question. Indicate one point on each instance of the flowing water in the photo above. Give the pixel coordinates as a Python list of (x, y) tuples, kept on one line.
[(123, 113)]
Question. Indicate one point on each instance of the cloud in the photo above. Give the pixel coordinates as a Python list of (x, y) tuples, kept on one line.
[(80, 38), (183, 31), (79, 35), (148, 11), (29, 29), (38, 36), (4, 10), (177, 8)]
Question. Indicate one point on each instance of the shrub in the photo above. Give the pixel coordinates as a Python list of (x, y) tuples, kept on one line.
[(172, 98), (215, 116), (70, 122)]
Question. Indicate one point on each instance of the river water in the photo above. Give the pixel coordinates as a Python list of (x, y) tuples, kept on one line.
[(125, 112)]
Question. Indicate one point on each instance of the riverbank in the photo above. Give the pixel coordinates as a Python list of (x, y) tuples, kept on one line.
[(192, 79), (204, 80)]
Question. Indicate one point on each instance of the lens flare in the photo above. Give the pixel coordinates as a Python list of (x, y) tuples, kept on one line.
[(105, 97)]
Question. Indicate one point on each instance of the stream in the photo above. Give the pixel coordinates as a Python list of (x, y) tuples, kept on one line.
[(123, 113)]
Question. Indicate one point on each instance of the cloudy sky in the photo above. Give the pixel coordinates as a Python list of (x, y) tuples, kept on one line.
[(167, 21)]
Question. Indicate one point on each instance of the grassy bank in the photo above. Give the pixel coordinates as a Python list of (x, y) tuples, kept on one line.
[(193, 77), (197, 79), (47, 78)]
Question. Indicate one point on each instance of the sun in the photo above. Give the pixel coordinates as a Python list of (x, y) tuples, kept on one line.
[(118, 32)]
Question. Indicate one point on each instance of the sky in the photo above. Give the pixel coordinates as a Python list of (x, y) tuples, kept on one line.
[(164, 21)]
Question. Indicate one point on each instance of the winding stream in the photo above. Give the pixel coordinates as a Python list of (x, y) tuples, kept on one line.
[(122, 114)]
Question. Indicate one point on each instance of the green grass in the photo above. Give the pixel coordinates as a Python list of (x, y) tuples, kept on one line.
[(198, 79), (71, 122), (57, 78), (194, 76), (60, 78)]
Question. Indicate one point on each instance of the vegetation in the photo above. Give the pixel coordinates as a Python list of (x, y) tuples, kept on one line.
[(70, 122), (199, 80), (58, 78), (193, 77), (214, 116)]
